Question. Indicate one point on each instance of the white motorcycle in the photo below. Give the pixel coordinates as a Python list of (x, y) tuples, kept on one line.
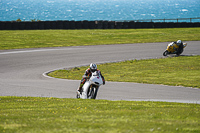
[(91, 86)]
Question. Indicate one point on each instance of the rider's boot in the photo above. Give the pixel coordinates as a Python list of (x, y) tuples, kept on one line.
[(79, 90)]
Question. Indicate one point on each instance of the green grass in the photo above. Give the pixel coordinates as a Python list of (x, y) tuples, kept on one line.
[(42, 115), (18, 39), (53, 115), (176, 71)]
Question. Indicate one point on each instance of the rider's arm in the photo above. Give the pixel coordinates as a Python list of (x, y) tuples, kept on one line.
[(87, 74), (102, 77)]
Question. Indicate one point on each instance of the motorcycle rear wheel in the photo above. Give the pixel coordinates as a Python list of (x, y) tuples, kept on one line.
[(179, 53)]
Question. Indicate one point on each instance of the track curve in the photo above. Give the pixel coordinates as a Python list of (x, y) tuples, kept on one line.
[(21, 72)]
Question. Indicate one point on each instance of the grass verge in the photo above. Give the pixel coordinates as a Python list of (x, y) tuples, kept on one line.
[(39, 115), (176, 71), (18, 39)]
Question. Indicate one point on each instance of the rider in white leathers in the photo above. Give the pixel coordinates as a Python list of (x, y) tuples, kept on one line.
[(88, 73)]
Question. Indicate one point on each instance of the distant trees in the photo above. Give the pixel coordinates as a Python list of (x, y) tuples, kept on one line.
[(32, 20)]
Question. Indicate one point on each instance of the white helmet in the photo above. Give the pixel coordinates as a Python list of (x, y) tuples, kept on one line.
[(93, 67), (178, 42)]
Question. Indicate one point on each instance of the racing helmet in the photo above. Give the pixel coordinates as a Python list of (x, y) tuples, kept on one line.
[(178, 42), (93, 67)]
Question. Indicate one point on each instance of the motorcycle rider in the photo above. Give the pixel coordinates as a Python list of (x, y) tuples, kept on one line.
[(180, 47), (88, 73)]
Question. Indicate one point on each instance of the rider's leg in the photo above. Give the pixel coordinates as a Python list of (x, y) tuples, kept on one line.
[(81, 84)]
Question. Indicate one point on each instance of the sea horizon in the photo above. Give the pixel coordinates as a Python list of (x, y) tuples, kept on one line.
[(92, 10)]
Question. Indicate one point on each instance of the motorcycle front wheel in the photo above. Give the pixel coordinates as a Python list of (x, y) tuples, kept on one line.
[(77, 95), (165, 53), (93, 93)]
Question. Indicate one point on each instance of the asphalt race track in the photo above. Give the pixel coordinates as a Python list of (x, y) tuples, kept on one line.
[(22, 72)]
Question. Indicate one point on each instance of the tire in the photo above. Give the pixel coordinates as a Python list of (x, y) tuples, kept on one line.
[(178, 53), (93, 93), (77, 96), (165, 53)]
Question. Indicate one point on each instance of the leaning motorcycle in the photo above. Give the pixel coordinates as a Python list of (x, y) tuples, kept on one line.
[(172, 49), (91, 86)]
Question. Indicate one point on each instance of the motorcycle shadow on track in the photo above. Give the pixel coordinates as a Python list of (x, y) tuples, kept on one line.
[(174, 55)]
